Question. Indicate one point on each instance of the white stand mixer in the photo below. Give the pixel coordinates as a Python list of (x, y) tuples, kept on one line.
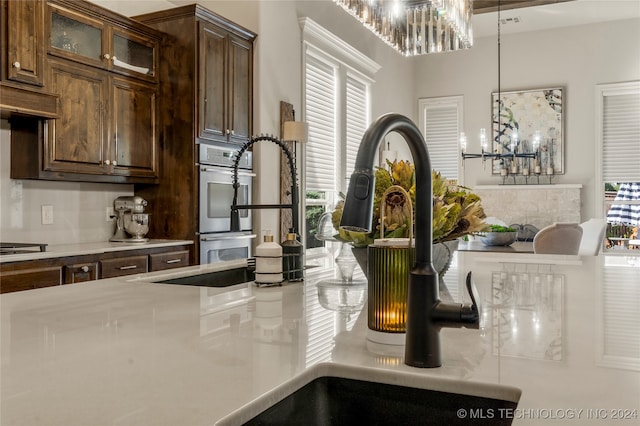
[(132, 224)]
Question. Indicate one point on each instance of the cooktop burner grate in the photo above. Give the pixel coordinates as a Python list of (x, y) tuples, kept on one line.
[(17, 248)]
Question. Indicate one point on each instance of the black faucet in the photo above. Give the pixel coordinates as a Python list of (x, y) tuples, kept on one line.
[(426, 313), (235, 214)]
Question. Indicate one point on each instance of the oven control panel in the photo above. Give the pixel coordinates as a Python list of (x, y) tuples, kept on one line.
[(224, 155)]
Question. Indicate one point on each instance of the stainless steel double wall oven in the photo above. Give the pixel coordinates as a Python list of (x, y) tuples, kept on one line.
[(217, 242)]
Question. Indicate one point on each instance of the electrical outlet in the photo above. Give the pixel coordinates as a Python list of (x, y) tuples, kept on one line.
[(110, 212), (47, 214)]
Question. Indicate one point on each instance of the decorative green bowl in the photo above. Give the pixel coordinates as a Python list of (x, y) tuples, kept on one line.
[(497, 238)]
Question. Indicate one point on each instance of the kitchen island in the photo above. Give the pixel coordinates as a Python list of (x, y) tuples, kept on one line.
[(130, 351)]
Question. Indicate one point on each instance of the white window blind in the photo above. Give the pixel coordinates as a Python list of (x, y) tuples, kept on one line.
[(441, 124), (320, 115), (337, 80), (621, 133), (357, 120), (618, 316)]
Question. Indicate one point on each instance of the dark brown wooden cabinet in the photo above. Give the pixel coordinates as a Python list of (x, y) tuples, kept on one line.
[(206, 75), (121, 266), (25, 41), (82, 32), (169, 260), (116, 135), (22, 60), (225, 112), (30, 274), (133, 133), (81, 272), (103, 69), (74, 145)]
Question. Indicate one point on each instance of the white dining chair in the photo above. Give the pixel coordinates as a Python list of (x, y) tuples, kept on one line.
[(559, 238), (593, 233)]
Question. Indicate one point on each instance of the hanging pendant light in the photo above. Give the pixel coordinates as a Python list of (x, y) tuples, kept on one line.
[(509, 160)]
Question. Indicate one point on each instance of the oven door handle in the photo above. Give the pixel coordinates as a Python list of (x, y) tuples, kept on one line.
[(235, 237), (226, 172)]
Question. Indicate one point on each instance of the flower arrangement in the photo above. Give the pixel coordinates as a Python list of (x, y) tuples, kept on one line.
[(457, 211)]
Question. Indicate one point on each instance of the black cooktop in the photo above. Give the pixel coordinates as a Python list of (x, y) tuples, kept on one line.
[(17, 248)]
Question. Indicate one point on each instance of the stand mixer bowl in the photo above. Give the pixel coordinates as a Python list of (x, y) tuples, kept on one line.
[(136, 225)]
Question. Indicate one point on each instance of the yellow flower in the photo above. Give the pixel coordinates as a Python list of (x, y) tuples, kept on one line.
[(456, 210)]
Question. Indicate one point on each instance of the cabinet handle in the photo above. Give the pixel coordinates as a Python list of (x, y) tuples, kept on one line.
[(107, 162), (228, 131), (114, 163), (174, 261), (85, 268), (16, 65), (124, 268), (233, 132), (106, 56)]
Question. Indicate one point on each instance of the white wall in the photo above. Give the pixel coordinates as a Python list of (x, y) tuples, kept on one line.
[(79, 209), (577, 58), (279, 77)]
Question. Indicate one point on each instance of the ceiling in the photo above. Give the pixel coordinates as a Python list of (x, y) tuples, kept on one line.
[(536, 15), (533, 15), (485, 6)]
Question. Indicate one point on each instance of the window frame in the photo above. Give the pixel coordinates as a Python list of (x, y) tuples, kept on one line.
[(456, 101), (350, 64), (603, 91)]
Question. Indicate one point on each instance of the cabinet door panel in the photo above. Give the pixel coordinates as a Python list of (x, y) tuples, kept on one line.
[(213, 74), (76, 37), (75, 140), (119, 267), (240, 86), (25, 41), (174, 259), (80, 272), (133, 55), (134, 132), (26, 279)]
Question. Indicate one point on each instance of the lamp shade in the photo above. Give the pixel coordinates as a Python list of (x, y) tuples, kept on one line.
[(295, 131)]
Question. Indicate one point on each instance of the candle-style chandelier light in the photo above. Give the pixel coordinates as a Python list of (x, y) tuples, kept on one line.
[(510, 165), (416, 27)]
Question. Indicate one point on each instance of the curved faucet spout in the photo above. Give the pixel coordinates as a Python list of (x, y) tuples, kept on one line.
[(359, 202), (426, 314)]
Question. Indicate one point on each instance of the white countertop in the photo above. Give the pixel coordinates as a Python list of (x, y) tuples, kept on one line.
[(78, 249), (130, 352)]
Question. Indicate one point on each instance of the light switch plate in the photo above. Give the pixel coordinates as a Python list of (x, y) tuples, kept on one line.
[(47, 214)]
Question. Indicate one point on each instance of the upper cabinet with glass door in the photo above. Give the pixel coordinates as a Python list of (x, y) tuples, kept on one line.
[(82, 36)]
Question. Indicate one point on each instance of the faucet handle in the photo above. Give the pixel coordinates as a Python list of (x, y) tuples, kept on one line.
[(470, 314)]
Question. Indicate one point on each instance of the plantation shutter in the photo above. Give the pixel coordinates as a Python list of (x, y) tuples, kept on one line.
[(619, 339), (441, 124), (321, 115), (357, 120), (621, 133)]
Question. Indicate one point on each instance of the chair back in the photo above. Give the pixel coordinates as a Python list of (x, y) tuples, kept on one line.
[(559, 238), (593, 233)]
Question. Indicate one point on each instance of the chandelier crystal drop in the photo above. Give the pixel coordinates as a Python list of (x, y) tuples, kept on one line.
[(416, 27)]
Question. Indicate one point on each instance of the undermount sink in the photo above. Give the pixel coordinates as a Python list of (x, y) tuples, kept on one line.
[(224, 278), (329, 394)]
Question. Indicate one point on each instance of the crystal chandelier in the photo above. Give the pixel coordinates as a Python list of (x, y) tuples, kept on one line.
[(416, 27)]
